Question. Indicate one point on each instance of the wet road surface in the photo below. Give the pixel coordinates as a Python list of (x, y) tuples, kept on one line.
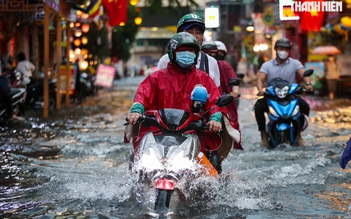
[(75, 165)]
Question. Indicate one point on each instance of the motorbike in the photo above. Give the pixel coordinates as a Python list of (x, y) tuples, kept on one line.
[(17, 93), (88, 84), (18, 98), (15, 77), (172, 155), (35, 93), (285, 120)]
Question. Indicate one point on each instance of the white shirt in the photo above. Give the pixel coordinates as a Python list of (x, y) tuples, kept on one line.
[(26, 68), (212, 65)]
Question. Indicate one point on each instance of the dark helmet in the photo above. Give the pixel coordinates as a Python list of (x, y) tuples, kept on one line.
[(283, 42), (189, 20), (182, 39), (209, 46)]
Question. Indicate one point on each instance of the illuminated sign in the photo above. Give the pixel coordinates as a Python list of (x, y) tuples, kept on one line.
[(211, 17)]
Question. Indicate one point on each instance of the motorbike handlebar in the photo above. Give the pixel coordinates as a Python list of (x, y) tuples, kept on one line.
[(151, 121)]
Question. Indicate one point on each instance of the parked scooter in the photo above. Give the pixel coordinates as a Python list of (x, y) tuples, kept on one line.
[(285, 120), (35, 93), (171, 156), (88, 84), (18, 98)]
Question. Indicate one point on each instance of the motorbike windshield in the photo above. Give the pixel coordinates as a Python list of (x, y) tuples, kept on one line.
[(173, 118)]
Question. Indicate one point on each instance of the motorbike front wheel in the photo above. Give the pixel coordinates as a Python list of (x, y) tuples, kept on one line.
[(283, 137), (163, 198)]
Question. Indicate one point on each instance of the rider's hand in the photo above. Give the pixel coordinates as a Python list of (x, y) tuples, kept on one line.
[(215, 126), (309, 87), (133, 118), (260, 93)]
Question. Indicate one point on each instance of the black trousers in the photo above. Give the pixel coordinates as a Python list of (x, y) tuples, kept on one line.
[(5, 96), (261, 107)]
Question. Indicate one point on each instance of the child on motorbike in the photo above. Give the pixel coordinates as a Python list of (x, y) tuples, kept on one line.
[(171, 88)]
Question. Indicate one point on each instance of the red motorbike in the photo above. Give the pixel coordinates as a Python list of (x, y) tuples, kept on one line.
[(170, 153)]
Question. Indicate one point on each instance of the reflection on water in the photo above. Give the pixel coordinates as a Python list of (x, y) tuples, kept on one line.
[(77, 167)]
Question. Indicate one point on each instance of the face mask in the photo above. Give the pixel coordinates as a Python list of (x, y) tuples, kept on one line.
[(283, 55), (185, 59), (220, 57)]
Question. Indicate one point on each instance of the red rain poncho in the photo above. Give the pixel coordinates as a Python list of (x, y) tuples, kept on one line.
[(171, 88)]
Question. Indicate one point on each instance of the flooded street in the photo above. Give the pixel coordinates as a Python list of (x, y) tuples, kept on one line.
[(75, 165)]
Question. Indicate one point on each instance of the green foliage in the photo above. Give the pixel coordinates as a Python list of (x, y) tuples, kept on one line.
[(98, 42), (123, 37)]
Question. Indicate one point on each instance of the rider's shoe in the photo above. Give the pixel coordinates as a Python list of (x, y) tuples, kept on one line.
[(215, 160), (300, 141), (264, 137)]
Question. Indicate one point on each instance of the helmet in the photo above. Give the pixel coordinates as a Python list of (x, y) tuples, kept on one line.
[(221, 46), (283, 42), (189, 20), (209, 46), (199, 93), (182, 39)]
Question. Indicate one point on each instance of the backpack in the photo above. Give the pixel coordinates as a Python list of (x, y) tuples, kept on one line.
[(204, 63)]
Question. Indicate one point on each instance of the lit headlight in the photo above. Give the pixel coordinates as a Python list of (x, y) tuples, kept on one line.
[(281, 92), (273, 112), (296, 110)]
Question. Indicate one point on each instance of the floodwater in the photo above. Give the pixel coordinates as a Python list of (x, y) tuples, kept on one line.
[(75, 165)]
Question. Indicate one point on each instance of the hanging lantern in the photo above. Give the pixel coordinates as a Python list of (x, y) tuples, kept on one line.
[(85, 52), (133, 2), (84, 40), (138, 20), (85, 28), (77, 33), (77, 42)]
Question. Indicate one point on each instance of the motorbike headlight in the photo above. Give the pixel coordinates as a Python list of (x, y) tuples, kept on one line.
[(296, 110), (281, 92), (273, 112)]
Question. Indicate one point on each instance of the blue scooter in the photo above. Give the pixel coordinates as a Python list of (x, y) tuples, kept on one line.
[(285, 120)]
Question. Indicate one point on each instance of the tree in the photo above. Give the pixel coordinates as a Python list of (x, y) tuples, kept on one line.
[(98, 42), (123, 37)]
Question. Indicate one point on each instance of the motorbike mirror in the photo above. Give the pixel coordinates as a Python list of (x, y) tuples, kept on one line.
[(224, 100), (234, 82), (240, 75), (308, 73)]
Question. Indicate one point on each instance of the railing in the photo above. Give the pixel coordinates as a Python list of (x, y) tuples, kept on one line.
[(21, 5)]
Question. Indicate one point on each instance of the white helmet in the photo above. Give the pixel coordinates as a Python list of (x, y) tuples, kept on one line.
[(221, 46)]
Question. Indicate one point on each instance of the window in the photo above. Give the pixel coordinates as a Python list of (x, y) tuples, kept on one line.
[(140, 42)]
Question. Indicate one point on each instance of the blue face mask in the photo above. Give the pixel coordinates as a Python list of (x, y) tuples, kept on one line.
[(185, 59)]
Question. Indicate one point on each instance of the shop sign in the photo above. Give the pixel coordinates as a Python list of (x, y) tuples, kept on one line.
[(268, 18), (105, 75), (211, 17), (72, 79), (319, 71), (344, 64)]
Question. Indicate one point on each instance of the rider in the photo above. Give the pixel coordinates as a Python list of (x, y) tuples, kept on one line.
[(194, 25), (172, 88), (285, 68), (5, 89), (226, 73)]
